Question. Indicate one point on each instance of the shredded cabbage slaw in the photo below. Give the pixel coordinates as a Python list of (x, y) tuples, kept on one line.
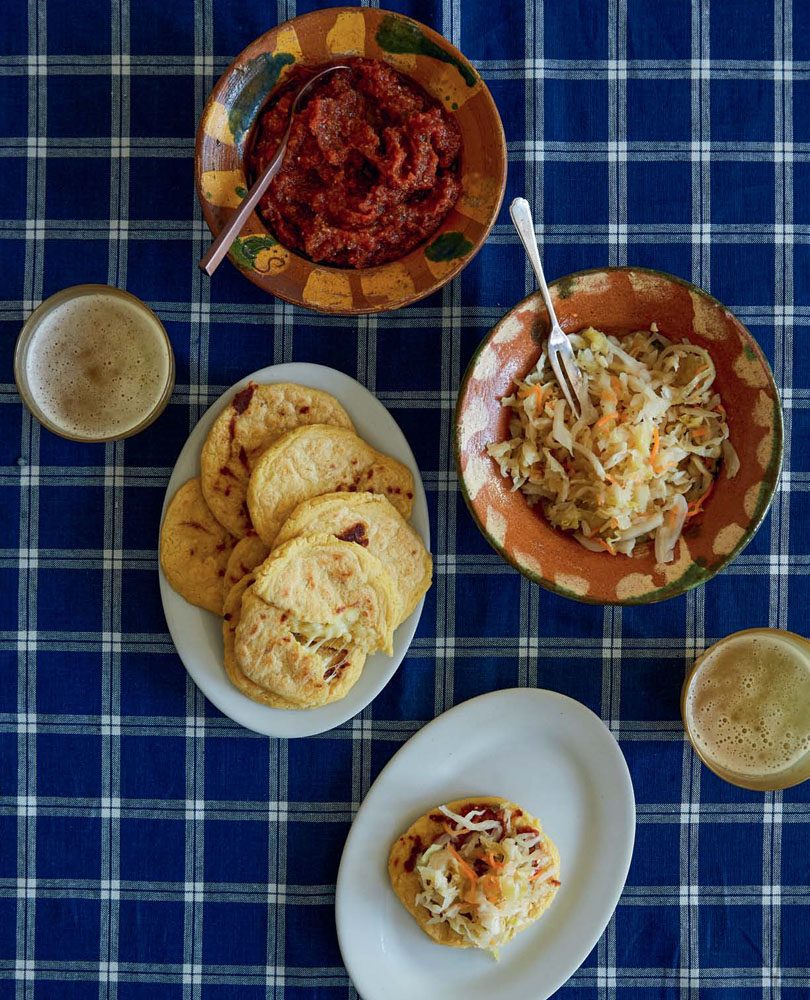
[(640, 462), (484, 877)]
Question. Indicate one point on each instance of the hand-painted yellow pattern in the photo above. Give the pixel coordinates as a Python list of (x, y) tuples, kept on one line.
[(708, 320), (348, 35), (634, 585), (474, 419), (287, 41), (509, 329), (216, 124), (763, 410), (765, 450), (750, 371), (675, 570), (752, 499), (576, 584), (531, 563), (328, 290), (447, 85), (273, 260), (479, 196), (495, 524), (588, 284), (391, 283), (403, 61), (219, 187), (726, 539), (649, 285), (487, 366), (440, 268), (477, 474)]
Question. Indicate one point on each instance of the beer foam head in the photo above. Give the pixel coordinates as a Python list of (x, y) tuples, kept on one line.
[(748, 705), (97, 365)]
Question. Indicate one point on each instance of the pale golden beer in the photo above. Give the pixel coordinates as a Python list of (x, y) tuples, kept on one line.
[(746, 708), (94, 363)]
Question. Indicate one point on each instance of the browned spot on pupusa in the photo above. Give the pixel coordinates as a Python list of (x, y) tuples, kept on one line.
[(195, 524), (356, 533), (241, 401)]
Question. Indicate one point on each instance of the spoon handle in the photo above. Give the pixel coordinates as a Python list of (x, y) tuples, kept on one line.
[(522, 218), (222, 244)]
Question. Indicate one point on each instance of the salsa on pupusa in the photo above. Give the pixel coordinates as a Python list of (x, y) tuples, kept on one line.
[(474, 872), (334, 567), (371, 168)]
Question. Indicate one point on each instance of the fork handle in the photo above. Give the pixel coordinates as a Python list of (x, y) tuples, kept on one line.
[(522, 218)]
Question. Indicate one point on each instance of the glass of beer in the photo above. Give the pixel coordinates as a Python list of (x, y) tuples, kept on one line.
[(746, 708), (94, 363)]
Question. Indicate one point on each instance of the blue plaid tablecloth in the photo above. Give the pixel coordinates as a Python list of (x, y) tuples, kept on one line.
[(151, 848)]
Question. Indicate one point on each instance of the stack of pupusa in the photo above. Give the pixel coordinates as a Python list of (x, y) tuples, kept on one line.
[(296, 533)]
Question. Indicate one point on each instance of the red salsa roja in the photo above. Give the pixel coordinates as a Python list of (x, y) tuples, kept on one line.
[(371, 169)]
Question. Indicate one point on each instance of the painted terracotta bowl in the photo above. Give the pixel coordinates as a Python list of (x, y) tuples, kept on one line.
[(618, 300), (321, 37)]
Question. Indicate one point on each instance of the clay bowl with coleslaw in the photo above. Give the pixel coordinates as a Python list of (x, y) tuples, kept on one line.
[(668, 475)]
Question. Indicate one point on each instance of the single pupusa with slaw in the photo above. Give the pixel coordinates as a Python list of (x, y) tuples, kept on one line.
[(640, 462), (475, 871)]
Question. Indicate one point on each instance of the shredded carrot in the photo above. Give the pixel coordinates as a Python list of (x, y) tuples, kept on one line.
[(657, 469), (615, 381), (491, 861), (655, 445), (465, 868), (605, 545), (538, 393), (700, 432), (540, 871), (696, 506), (605, 418), (492, 888)]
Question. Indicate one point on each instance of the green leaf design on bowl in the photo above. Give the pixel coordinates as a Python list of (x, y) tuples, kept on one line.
[(260, 76), (244, 251), (401, 37), (448, 246), (565, 286)]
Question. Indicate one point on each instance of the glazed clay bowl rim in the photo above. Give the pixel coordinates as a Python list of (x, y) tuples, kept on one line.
[(769, 477), (775, 782), (28, 330), (262, 44)]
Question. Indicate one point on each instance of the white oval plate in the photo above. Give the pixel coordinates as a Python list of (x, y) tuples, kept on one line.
[(197, 634), (540, 749)]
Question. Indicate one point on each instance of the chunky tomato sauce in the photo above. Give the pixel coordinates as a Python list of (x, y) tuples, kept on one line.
[(371, 169)]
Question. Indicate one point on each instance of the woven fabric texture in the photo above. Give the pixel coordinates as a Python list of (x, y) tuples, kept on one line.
[(151, 848)]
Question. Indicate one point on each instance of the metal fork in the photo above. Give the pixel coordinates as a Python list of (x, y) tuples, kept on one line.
[(560, 352)]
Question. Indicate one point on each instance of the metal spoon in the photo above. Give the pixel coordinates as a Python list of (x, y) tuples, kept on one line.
[(222, 244), (560, 352)]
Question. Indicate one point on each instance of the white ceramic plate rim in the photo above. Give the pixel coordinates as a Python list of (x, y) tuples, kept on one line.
[(197, 634), (408, 786)]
